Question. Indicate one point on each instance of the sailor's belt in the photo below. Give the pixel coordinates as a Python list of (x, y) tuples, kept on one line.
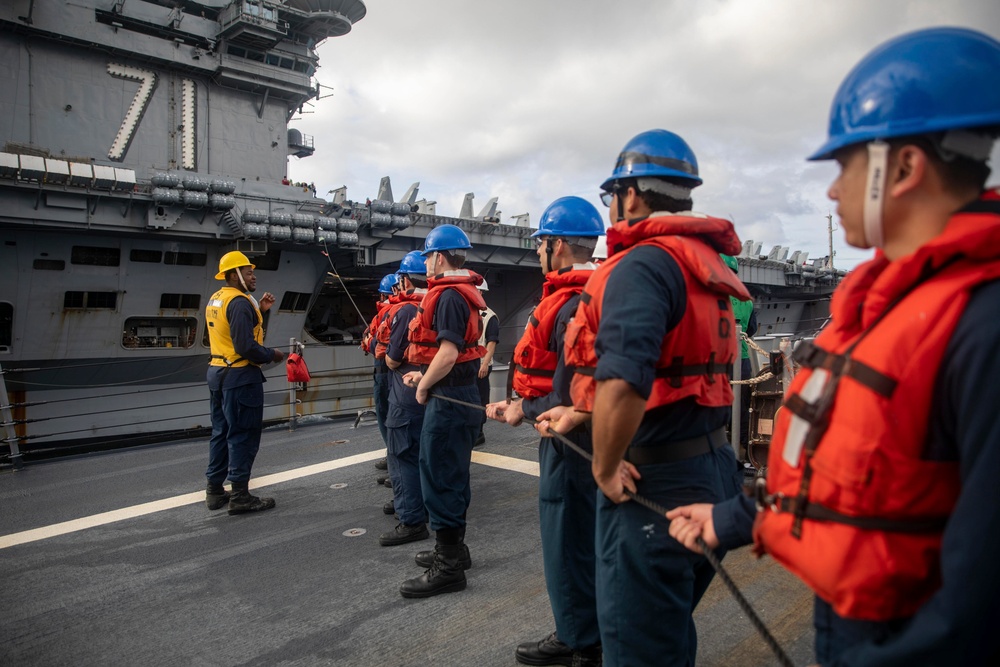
[(678, 450)]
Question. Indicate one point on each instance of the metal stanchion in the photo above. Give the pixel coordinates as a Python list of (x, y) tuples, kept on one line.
[(8, 424)]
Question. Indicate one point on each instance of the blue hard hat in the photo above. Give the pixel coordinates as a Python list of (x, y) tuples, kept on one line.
[(388, 282), (923, 82), (413, 262), (656, 154), (446, 237), (570, 216)]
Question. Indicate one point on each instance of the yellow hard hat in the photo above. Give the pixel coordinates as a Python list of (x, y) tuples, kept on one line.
[(232, 260)]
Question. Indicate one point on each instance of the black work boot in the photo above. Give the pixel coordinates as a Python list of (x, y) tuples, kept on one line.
[(382, 464), (552, 651), (425, 558), (241, 502), (216, 497), (389, 507), (445, 575), (402, 534)]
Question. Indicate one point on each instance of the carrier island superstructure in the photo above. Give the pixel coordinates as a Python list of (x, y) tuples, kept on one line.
[(142, 139)]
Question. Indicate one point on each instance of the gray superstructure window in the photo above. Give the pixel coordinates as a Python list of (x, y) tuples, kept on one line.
[(180, 301), (49, 265), (95, 256), (185, 258), (90, 300), (295, 301), (141, 255)]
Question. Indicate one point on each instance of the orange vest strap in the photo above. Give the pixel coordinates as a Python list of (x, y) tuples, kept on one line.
[(809, 355)]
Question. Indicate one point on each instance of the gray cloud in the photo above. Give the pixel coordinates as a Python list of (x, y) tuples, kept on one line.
[(531, 100)]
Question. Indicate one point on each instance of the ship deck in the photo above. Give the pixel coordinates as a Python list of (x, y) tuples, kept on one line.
[(113, 559)]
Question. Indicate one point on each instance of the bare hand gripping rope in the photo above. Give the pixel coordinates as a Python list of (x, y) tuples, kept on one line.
[(710, 555)]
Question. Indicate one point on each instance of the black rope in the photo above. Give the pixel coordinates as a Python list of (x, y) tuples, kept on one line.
[(710, 555)]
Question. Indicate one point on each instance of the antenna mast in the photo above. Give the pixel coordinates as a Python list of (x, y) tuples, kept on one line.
[(829, 233)]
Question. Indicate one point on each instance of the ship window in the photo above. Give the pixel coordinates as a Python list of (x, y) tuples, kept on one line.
[(185, 258), (143, 333), (180, 301), (49, 264), (94, 256), (272, 59), (90, 300), (295, 301), (237, 51), (6, 326), (139, 255)]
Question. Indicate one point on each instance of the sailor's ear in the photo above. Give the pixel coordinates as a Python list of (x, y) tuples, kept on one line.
[(908, 167)]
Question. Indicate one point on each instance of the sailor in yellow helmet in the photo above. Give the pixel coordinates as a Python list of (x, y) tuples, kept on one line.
[(235, 382)]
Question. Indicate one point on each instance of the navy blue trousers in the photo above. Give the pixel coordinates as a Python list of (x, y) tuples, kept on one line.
[(835, 634), (567, 495), (648, 585), (404, 456), (381, 396), (446, 440), (237, 420)]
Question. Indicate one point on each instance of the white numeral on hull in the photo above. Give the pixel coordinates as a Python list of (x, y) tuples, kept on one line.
[(147, 84)]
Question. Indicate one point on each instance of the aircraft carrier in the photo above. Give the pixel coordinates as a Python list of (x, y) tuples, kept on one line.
[(139, 141)]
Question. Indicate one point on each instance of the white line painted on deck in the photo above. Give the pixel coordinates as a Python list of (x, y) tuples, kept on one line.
[(104, 518)]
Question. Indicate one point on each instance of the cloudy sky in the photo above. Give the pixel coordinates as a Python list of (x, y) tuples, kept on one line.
[(531, 100)]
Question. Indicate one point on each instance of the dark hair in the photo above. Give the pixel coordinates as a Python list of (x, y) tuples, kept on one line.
[(581, 248), (456, 260), (657, 201), (417, 279), (957, 172)]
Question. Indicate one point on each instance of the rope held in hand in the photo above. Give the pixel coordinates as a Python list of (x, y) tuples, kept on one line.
[(710, 555)]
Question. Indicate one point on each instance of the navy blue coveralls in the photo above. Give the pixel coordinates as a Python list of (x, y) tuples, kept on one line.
[(450, 429), (237, 401), (567, 494), (647, 583), (957, 626), (403, 422)]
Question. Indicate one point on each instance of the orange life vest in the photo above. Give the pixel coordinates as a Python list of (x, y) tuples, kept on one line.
[(423, 337), (369, 335), (855, 510), (383, 315), (385, 326), (696, 357), (534, 364)]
